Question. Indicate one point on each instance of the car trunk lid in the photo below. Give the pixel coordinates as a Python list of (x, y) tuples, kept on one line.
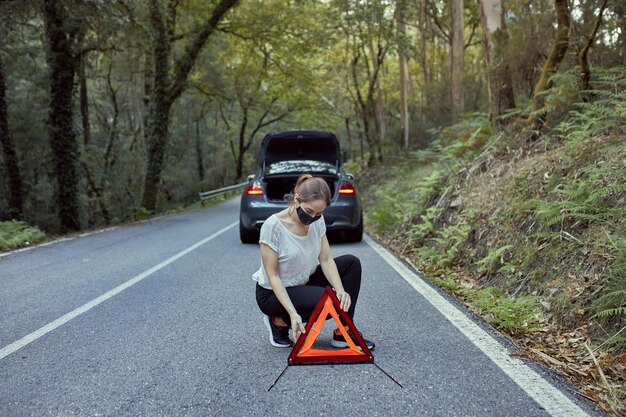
[(299, 146)]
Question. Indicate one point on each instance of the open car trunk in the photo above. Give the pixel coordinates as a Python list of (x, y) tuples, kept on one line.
[(280, 188), (285, 156)]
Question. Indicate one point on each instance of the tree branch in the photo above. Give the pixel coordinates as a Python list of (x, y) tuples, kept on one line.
[(185, 64)]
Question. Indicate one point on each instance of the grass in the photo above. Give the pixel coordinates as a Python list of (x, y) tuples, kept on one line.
[(16, 234)]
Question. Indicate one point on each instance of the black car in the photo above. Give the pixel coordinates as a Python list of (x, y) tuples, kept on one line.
[(284, 156)]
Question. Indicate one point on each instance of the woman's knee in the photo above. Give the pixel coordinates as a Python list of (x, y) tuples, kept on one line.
[(349, 262), (305, 298)]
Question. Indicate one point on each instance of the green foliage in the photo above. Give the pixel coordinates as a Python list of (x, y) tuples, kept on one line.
[(140, 214), (447, 282), (494, 260), (459, 142), (449, 239), (610, 308), (443, 247), (604, 114), (563, 92), (581, 200), (382, 216), (426, 226), (410, 195), (513, 315), (15, 234)]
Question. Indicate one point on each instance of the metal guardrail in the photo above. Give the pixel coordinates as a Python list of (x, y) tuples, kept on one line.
[(208, 194)]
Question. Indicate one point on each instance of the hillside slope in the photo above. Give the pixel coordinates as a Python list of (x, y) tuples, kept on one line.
[(528, 229)]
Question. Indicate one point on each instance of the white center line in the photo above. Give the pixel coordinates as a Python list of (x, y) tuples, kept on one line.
[(544, 393), (29, 338)]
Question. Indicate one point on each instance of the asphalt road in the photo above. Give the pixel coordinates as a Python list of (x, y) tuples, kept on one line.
[(159, 318)]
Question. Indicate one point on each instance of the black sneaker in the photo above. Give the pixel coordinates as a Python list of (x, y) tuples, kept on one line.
[(339, 341), (279, 336)]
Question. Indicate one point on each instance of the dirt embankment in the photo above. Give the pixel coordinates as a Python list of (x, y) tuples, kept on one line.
[(529, 233)]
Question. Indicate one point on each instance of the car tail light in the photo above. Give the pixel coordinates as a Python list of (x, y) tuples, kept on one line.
[(347, 189), (254, 190)]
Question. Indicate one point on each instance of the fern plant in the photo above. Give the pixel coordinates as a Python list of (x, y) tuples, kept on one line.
[(513, 315), (610, 308), (426, 226), (578, 200), (606, 113), (15, 234), (493, 260), (449, 241)]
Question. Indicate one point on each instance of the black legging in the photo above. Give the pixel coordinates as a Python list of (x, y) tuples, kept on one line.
[(305, 297)]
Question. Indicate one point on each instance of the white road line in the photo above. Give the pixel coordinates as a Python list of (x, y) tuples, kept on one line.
[(15, 346), (544, 393)]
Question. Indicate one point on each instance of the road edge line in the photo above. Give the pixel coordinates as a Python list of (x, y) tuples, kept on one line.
[(538, 388), (42, 331)]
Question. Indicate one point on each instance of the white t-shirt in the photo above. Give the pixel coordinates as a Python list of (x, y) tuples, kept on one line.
[(298, 256)]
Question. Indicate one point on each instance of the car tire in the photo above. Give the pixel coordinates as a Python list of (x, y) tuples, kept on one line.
[(356, 234), (247, 235)]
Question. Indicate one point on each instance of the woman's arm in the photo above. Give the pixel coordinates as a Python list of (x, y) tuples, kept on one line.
[(270, 263), (329, 268)]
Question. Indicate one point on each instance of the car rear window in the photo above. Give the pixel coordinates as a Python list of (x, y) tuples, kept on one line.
[(299, 167)]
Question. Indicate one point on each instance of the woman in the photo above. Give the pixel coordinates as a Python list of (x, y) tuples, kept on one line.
[(297, 265)]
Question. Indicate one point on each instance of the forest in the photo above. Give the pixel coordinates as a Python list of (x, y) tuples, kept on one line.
[(465, 123), (112, 108)]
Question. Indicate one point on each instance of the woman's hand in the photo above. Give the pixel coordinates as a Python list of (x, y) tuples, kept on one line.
[(344, 300), (297, 327)]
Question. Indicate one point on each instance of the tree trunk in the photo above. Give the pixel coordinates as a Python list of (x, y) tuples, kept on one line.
[(360, 136), (425, 90), (620, 11), (349, 137), (109, 157), (404, 75), (11, 165), (561, 43), (365, 113), (159, 107), (241, 144), (62, 68), (84, 101), (148, 82), (97, 192), (585, 73), (199, 159), (166, 92), (457, 49), (377, 99), (499, 82)]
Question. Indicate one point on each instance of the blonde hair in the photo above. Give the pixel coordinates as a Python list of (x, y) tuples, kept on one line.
[(311, 188)]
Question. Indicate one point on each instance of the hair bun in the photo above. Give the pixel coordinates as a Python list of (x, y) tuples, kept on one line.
[(302, 179), (310, 188)]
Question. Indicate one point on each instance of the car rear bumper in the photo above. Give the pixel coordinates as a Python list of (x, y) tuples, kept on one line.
[(340, 215)]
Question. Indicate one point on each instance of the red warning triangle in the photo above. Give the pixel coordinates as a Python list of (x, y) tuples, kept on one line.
[(302, 352)]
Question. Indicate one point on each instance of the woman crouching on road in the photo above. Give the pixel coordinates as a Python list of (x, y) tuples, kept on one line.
[(297, 265)]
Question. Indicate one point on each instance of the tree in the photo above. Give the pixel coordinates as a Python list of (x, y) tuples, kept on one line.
[(368, 40), (404, 73), (167, 87), (583, 61), (11, 166), (561, 43), (457, 61), (62, 67), (499, 82)]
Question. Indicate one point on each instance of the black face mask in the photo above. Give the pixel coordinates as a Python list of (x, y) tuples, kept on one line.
[(305, 218)]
